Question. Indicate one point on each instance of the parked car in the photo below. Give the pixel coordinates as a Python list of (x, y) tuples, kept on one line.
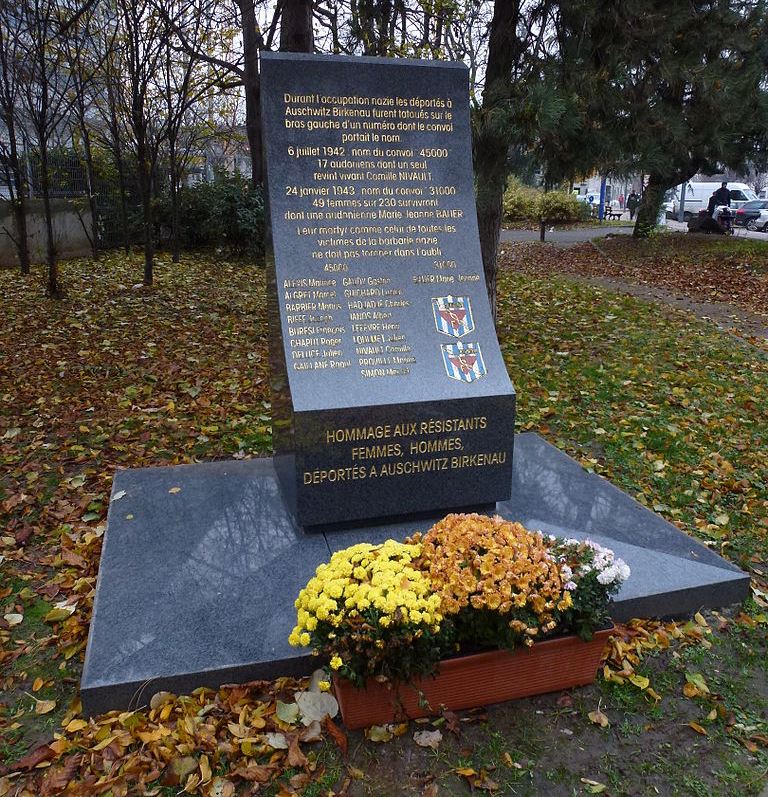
[(697, 197), (750, 210), (760, 223)]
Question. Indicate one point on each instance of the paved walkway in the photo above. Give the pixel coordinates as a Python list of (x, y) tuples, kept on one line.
[(578, 235)]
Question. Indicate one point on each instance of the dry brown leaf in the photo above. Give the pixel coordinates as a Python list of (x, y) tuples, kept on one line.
[(295, 757), (337, 735), (599, 718), (256, 773)]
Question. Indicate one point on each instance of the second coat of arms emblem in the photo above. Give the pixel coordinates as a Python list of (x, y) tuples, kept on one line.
[(453, 315)]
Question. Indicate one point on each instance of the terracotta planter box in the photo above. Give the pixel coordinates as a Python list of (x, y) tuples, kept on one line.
[(477, 680)]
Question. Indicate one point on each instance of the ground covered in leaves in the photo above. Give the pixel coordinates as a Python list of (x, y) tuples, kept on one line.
[(670, 409), (723, 279)]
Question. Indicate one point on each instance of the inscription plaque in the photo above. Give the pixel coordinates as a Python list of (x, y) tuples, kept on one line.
[(390, 393)]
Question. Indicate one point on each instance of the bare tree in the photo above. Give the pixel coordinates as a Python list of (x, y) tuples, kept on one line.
[(259, 24), (110, 128), (142, 36), (90, 40), (46, 98), (186, 81), (11, 66), (385, 27), (235, 59)]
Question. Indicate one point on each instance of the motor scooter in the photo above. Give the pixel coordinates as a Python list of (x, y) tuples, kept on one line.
[(724, 217)]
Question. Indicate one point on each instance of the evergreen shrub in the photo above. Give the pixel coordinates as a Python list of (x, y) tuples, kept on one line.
[(520, 201), (227, 212), (559, 207)]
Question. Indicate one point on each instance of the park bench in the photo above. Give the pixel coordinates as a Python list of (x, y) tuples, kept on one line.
[(611, 214)]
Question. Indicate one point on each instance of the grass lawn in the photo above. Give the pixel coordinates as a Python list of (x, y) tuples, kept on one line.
[(670, 409)]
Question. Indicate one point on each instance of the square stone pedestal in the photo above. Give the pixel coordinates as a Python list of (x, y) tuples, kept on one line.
[(201, 565)]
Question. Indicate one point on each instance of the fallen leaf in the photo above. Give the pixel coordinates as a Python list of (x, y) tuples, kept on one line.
[(697, 680), (13, 618), (593, 786), (159, 699), (378, 733), (44, 706), (58, 615), (315, 706), (178, 770), (336, 734), (295, 757), (277, 741), (428, 739), (174, 490), (698, 728), (256, 773), (35, 757), (118, 495), (482, 781), (452, 723), (311, 733), (287, 712), (58, 778), (599, 718), (640, 681), (220, 787)]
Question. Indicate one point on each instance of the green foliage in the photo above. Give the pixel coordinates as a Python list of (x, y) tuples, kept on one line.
[(227, 212), (523, 203), (520, 201), (559, 206)]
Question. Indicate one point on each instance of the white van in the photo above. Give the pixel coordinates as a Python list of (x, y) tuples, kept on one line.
[(697, 196)]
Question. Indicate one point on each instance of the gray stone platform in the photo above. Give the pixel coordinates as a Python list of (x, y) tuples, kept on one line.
[(196, 586)]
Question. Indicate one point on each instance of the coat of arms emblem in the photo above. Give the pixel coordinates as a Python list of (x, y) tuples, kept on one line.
[(453, 315), (463, 361)]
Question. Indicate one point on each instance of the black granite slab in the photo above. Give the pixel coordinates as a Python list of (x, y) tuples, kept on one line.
[(196, 586), (390, 393)]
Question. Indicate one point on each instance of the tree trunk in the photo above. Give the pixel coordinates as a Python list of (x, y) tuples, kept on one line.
[(296, 27), (20, 210), (145, 187), (173, 167), (89, 173), (491, 140), (650, 206), (52, 288), (19, 207), (19, 202), (123, 200), (116, 147), (252, 84)]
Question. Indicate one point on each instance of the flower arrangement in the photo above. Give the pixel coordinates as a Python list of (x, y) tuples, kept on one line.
[(393, 611), (372, 613)]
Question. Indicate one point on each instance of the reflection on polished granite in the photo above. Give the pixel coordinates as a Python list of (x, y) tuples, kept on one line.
[(196, 586)]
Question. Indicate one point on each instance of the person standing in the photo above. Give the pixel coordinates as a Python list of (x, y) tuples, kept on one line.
[(633, 200), (723, 195), (621, 201)]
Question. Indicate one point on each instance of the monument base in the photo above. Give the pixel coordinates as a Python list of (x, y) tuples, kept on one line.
[(201, 565)]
